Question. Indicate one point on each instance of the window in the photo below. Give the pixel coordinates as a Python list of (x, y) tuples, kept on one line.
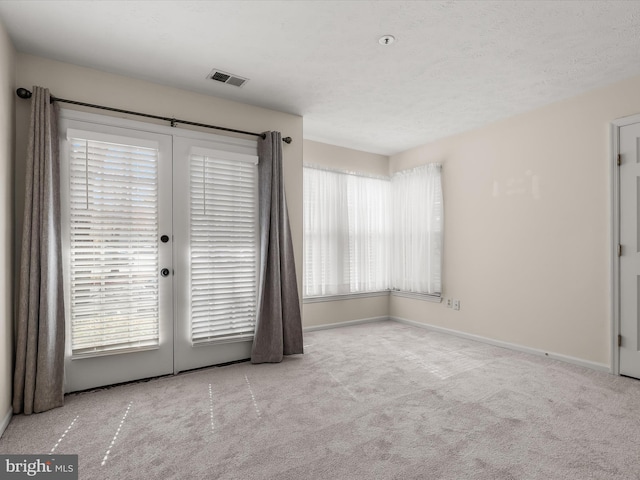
[(417, 230), (223, 245), (364, 234), (346, 233), (113, 227)]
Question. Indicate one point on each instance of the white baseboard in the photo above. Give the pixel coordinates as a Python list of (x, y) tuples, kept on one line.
[(601, 367), (5, 421), (348, 323)]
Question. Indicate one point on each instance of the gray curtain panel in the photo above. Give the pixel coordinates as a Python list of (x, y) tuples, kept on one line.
[(39, 370), (278, 322)]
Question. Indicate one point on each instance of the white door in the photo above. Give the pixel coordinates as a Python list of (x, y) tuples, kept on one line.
[(116, 209), (630, 241), (160, 246), (216, 238)]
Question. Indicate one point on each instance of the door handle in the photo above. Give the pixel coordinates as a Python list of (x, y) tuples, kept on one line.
[(164, 272)]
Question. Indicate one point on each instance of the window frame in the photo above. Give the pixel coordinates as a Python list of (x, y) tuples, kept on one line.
[(391, 291), (347, 232)]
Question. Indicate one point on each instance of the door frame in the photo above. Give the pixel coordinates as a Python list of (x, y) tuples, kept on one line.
[(615, 127)]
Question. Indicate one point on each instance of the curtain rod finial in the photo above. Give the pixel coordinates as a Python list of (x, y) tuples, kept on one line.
[(287, 140), (23, 93)]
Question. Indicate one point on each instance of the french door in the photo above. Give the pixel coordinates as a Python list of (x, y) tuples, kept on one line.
[(160, 249), (216, 235)]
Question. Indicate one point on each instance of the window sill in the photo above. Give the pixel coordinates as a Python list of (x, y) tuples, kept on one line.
[(216, 341), (396, 293), (344, 296), (113, 351), (418, 296)]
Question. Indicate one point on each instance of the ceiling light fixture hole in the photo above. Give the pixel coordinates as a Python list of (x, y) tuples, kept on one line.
[(386, 40)]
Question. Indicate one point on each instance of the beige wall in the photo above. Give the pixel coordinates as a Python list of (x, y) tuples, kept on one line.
[(340, 158), (325, 313), (7, 95), (93, 86), (340, 311), (527, 226)]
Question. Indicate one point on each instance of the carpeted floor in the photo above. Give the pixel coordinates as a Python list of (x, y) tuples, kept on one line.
[(374, 401)]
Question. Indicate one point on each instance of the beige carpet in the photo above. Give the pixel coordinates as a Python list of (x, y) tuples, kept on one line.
[(375, 401)]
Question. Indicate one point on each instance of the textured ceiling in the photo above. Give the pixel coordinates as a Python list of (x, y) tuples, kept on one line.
[(455, 65)]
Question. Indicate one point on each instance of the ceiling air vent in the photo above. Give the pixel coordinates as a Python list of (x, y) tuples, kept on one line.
[(228, 78)]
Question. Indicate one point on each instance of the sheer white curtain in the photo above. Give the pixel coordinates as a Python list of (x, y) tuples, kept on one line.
[(417, 230), (369, 233), (346, 233)]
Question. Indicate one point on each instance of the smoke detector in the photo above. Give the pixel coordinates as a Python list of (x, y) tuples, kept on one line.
[(226, 77)]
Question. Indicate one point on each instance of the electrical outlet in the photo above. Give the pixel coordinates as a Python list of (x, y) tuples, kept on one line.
[(449, 302), (456, 304)]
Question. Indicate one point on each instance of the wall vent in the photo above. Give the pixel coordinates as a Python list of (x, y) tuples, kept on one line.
[(228, 78)]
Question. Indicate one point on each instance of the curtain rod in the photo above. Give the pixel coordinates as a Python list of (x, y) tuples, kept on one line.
[(26, 94), (346, 172)]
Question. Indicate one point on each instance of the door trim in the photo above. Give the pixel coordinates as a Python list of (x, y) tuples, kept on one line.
[(615, 127)]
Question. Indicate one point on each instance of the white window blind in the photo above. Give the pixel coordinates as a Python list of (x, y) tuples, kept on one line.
[(113, 231), (223, 247)]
